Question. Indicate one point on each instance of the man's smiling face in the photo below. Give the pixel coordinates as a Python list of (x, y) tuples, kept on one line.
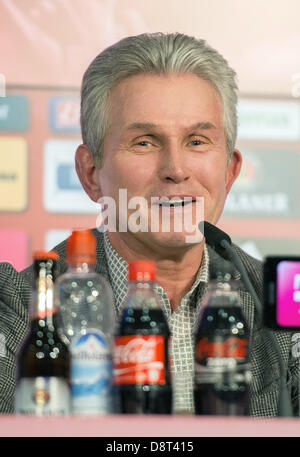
[(166, 137)]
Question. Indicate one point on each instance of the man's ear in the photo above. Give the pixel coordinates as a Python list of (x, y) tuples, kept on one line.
[(233, 169), (87, 172)]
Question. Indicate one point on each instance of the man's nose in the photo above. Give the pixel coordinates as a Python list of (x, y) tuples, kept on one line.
[(173, 165)]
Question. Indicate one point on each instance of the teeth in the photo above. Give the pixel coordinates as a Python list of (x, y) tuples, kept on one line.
[(175, 203), (172, 203)]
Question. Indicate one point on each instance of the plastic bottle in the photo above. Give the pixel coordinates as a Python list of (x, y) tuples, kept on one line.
[(86, 323), (141, 356), (222, 368)]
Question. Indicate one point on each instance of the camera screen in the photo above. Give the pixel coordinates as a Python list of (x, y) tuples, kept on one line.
[(288, 293)]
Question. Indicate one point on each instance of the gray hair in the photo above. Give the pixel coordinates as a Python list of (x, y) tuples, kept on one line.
[(157, 54)]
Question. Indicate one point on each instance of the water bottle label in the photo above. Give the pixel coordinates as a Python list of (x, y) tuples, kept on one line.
[(91, 374), (42, 396), (139, 359)]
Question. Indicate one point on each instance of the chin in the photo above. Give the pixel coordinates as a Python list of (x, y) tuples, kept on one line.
[(173, 240)]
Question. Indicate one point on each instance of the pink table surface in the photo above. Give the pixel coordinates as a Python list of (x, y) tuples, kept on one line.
[(150, 426)]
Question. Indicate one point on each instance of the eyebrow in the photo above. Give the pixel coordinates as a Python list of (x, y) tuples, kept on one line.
[(149, 125)]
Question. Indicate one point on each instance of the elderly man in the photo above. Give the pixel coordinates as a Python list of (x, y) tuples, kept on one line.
[(158, 118)]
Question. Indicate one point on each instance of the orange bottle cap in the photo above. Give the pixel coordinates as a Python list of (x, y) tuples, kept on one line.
[(81, 247), (51, 255), (142, 270)]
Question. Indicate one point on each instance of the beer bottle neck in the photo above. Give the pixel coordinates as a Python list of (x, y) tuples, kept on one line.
[(41, 305)]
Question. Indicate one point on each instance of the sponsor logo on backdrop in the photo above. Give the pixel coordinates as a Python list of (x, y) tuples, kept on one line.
[(14, 113), (63, 192), (13, 174), (67, 178), (64, 114), (268, 120), (266, 187)]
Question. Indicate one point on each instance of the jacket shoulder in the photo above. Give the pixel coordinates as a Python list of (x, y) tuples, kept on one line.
[(254, 268), (247, 258)]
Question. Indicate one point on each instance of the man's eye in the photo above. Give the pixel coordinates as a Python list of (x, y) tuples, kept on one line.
[(197, 142), (143, 143)]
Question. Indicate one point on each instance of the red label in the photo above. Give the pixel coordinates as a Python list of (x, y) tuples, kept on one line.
[(139, 359), (231, 347)]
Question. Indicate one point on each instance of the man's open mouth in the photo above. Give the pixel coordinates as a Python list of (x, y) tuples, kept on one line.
[(174, 202)]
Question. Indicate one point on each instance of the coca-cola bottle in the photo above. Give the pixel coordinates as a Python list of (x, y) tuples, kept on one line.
[(141, 354), (222, 368)]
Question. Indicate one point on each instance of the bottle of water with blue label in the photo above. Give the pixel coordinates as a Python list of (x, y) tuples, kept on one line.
[(86, 324)]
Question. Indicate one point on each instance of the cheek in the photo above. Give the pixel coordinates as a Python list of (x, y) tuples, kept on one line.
[(132, 176), (210, 174), (212, 179)]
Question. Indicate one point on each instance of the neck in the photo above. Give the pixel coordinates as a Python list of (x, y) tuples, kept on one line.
[(176, 267)]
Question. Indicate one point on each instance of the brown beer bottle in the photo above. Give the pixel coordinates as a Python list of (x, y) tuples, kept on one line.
[(43, 361)]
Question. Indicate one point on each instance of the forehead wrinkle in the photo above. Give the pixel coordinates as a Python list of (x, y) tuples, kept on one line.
[(141, 126), (150, 125), (202, 126)]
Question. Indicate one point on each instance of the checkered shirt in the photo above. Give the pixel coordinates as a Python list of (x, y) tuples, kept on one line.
[(181, 322)]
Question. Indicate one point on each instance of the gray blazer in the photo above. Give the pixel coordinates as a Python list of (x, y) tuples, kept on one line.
[(14, 300)]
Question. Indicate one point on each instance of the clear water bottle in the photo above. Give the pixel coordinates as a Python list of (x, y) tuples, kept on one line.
[(86, 323), (222, 367)]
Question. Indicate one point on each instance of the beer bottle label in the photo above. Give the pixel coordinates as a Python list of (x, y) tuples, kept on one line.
[(42, 396), (218, 359), (91, 374), (139, 359)]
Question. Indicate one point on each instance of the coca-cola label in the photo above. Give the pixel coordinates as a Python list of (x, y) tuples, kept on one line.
[(139, 359), (222, 361), (230, 347)]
